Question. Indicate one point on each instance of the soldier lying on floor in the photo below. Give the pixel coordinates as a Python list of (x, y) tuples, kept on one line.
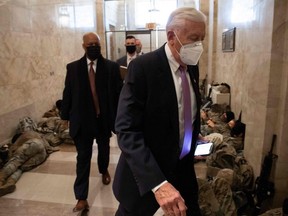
[(27, 150), (233, 135), (54, 130)]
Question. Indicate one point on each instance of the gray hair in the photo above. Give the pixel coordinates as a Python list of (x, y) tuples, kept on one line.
[(178, 16)]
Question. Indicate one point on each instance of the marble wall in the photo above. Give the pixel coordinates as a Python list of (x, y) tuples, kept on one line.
[(279, 93), (257, 73), (39, 37), (37, 40)]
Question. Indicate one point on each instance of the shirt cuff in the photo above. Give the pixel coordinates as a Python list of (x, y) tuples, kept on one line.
[(158, 186)]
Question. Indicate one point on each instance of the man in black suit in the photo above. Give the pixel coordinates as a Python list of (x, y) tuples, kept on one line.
[(90, 105), (130, 45), (153, 169)]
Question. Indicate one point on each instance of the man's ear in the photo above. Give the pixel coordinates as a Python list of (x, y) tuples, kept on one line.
[(170, 37), (84, 47)]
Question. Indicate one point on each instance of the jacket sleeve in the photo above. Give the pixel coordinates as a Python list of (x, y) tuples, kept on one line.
[(67, 96), (130, 131), (116, 84)]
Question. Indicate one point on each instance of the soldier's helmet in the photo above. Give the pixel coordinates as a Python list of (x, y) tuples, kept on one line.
[(26, 124)]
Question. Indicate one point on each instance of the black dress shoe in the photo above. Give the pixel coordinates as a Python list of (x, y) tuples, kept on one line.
[(81, 205), (106, 179)]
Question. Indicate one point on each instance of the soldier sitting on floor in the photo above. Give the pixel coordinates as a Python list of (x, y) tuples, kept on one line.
[(218, 125), (27, 150), (216, 197)]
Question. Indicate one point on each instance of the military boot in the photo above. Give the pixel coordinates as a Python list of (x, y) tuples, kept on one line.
[(9, 187)]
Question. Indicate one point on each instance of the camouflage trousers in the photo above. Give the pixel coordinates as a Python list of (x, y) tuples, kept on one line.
[(216, 198), (26, 157)]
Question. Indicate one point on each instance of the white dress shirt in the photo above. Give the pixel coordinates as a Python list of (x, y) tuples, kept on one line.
[(174, 66), (94, 64), (130, 58)]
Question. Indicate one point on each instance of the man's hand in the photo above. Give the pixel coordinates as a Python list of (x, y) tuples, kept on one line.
[(210, 123), (170, 200), (66, 123)]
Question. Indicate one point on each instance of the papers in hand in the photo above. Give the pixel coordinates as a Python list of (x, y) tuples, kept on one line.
[(123, 71)]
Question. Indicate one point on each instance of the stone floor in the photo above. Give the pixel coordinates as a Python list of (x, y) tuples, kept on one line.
[(48, 189)]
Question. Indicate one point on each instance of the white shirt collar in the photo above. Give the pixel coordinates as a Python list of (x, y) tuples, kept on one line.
[(131, 57), (89, 61)]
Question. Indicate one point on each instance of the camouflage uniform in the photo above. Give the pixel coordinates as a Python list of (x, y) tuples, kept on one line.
[(26, 124), (216, 198), (54, 130), (223, 156), (225, 131), (29, 150), (236, 142), (217, 126), (215, 138)]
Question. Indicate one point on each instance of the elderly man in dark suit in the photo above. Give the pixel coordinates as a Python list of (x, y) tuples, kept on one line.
[(90, 97), (158, 123)]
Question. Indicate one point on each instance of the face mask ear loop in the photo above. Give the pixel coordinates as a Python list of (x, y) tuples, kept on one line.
[(178, 41)]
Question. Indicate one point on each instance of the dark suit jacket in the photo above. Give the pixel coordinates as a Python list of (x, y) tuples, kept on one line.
[(77, 103), (147, 127), (122, 61)]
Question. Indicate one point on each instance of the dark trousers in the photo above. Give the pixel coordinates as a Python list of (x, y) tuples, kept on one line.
[(84, 147), (184, 182)]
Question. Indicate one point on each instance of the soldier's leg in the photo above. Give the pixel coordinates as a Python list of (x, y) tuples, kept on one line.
[(34, 161), (35, 154), (208, 203), (216, 138), (10, 184), (223, 193), (10, 167)]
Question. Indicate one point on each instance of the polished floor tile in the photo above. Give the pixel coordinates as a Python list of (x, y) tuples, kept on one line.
[(47, 190)]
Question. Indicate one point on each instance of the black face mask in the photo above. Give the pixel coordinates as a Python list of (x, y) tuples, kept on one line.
[(131, 49), (93, 52)]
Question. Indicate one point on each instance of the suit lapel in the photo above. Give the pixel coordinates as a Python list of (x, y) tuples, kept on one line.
[(166, 86), (82, 71), (195, 84), (101, 74), (193, 72)]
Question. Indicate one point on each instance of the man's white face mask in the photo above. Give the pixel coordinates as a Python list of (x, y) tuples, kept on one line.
[(190, 53)]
